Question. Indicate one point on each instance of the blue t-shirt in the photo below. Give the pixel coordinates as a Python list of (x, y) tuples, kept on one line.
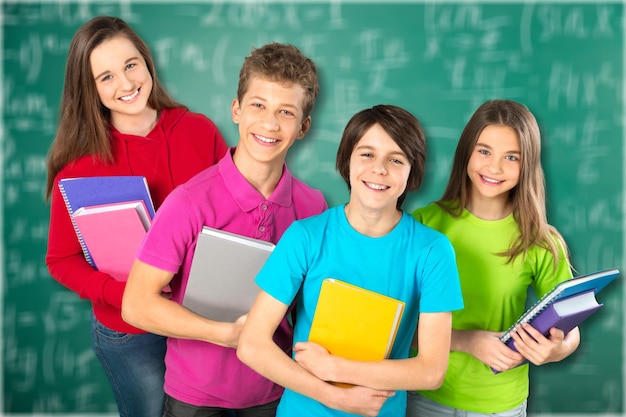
[(412, 263)]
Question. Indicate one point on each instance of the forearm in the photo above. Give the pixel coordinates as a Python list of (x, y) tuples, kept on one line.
[(418, 373), (67, 264), (75, 273), (266, 358), (461, 340), (157, 314), (144, 306), (422, 372)]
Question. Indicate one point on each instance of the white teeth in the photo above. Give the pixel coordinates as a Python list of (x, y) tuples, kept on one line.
[(266, 140), (130, 97), (376, 186), (491, 180)]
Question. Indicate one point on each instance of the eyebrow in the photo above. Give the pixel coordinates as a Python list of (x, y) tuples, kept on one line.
[(370, 147), (263, 99), (108, 71)]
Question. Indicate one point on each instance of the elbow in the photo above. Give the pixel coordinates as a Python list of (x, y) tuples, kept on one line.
[(244, 351), (130, 314), (436, 380), (247, 351), (432, 379)]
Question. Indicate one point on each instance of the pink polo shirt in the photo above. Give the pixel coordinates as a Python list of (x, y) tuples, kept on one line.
[(200, 373)]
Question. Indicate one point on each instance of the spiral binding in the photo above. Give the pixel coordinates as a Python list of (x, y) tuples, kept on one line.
[(80, 237)]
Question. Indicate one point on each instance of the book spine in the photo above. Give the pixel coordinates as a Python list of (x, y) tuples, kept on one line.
[(532, 312), (78, 234)]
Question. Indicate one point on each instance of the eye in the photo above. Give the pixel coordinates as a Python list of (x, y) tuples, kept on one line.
[(106, 78), (287, 113), (513, 158), (397, 161), (366, 154), (131, 66), (483, 151)]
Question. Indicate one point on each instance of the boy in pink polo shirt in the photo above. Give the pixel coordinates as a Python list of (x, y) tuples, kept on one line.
[(249, 192)]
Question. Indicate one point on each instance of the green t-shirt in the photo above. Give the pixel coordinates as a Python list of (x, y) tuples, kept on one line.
[(494, 294)]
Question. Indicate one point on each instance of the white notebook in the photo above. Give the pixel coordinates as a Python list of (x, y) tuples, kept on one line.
[(221, 283)]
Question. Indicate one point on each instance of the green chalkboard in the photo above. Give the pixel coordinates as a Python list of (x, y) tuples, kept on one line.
[(439, 60)]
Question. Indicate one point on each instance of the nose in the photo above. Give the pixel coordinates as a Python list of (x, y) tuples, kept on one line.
[(126, 83), (270, 122), (379, 167), (495, 165)]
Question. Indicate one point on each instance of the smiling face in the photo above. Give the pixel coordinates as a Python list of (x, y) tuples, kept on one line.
[(122, 79), (270, 118), (379, 171), (495, 164)]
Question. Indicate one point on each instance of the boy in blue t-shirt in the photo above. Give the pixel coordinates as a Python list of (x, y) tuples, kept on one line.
[(372, 243)]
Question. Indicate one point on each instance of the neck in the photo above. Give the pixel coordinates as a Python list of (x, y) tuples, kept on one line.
[(138, 125), (262, 176), (491, 208), (372, 223)]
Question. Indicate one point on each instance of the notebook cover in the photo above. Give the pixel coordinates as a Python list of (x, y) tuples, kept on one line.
[(221, 283), (113, 234)]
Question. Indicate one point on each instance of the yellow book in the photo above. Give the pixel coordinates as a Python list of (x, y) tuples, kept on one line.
[(355, 323)]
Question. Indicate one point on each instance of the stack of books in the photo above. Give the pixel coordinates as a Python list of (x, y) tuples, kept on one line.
[(111, 215)]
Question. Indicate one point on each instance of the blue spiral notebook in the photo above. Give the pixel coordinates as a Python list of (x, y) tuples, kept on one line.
[(94, 191), (594, 281), (567, 305)]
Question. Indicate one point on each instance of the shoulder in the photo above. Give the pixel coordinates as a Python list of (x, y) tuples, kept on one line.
[(87, 166), (422, 234), (432, 215), (206, 180), (308, 197), (307, 232), (177, 118), (432, 211), (304, 188)]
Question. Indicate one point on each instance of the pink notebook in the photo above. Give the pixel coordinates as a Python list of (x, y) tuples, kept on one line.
[(113, 233)]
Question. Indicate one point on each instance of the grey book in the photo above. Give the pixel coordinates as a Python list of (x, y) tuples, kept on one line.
[(221, 283)]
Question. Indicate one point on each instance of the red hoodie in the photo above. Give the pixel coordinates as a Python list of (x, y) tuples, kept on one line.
[(181, 145)]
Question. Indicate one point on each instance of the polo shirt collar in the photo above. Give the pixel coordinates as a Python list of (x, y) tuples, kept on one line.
[(246, 196)]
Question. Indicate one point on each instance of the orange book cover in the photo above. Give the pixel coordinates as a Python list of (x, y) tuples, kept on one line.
[(113, 233)]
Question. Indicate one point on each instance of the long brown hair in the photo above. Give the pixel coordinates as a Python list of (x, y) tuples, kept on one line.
[(83, 120), (528, 197)]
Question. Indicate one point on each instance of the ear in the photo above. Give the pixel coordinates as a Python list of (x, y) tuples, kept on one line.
[(304, 128), (235, 110)]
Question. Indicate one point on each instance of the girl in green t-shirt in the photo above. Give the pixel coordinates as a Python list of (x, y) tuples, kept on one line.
[(494, 213)]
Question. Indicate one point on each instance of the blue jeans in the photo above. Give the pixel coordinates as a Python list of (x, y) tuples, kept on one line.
[(134, 364), (418, 406)]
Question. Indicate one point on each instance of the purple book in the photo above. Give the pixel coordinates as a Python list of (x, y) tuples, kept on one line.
[(564, 314), (567, 295)]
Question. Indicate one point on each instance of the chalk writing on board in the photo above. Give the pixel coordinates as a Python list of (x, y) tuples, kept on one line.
[(574, 23), (573, 88), (439, 60), (66, 13)]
